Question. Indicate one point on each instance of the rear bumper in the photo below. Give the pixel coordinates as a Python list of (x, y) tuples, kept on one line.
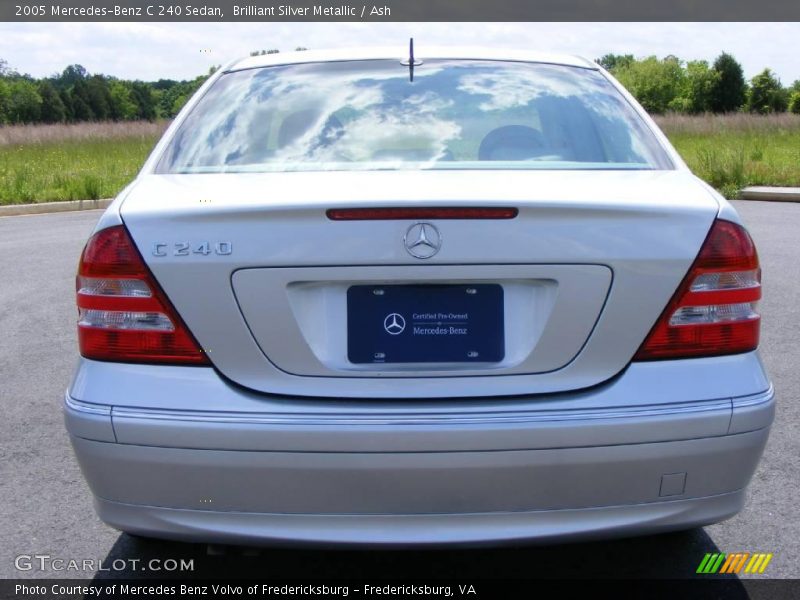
[(242, 528), (596, 463)]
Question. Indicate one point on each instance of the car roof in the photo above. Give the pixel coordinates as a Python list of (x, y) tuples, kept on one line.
[(421, 52)]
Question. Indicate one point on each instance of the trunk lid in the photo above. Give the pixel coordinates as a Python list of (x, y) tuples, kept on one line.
[(261, 275)]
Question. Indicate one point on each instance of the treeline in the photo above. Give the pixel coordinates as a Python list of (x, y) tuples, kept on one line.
[(660, 85), (76, 95), (672, 85)]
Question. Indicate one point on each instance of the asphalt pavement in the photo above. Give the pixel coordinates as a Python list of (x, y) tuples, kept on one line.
[(47, 507)]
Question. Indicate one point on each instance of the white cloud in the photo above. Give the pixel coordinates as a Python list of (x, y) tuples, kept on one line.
[(181, 50)]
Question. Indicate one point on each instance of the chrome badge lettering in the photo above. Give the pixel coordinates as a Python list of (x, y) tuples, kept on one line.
[(188, 248)]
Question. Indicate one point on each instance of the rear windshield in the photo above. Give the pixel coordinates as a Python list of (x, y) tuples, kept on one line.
[(366, 115)]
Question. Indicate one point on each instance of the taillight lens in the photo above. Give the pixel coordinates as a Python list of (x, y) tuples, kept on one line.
[(714, 311), (123, 315)]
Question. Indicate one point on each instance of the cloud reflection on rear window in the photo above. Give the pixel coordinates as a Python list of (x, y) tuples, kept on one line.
[(456, 114)]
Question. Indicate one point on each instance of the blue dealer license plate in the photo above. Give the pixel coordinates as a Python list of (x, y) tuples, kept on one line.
[(425, 323)]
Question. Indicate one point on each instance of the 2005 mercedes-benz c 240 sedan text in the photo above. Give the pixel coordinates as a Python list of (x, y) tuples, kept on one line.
[(366, 297)]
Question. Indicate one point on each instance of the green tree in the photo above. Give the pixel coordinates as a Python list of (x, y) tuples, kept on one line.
[(123, 108), (5, 70), (767, 94), (654, 83), (699, 85), (71, 75), (164, 84), (52, 110), (81, 110), (730, 90), (66, 100), (794, 103), (178, 104), (173, 98), (142, 95), (80, 101), (5, 101), (25, 103), (165, 98), (99, 97), (610, 62)]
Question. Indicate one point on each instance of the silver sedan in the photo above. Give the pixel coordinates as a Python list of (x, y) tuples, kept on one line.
[(370, 297)]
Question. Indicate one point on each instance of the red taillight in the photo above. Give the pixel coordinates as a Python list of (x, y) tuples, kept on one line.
[(714, 311), (123, 315)]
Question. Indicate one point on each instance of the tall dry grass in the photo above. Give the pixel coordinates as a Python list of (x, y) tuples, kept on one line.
[(711, 124), (670, 123), (14, 135)]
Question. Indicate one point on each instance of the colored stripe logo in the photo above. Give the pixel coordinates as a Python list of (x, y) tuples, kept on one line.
[(734, 563)]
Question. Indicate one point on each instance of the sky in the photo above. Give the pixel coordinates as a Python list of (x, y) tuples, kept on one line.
[(151, 51)]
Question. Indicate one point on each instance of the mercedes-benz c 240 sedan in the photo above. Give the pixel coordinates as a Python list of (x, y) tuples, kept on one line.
[(372, 298)]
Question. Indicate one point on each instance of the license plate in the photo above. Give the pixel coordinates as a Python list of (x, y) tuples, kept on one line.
[(425, 323)]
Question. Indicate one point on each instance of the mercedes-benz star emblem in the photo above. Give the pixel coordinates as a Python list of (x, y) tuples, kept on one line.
[(422, 240), (394, 324)]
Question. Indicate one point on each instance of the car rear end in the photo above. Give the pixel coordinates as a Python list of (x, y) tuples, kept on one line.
[(399, 316)]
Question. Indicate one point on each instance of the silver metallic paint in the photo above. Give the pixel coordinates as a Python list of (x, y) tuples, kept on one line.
[(577, 453)]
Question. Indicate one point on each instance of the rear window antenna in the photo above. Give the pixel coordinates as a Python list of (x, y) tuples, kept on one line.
[(411, 62)]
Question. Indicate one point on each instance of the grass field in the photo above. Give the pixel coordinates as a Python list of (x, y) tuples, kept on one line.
[(71, 162), (733, 151), (95, 160)]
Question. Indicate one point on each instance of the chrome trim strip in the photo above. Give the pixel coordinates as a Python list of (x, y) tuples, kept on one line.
[(435, 419), (86, 407), (754, 399)]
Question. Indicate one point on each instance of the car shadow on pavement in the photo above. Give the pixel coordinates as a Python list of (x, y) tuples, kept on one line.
[(666, 556)]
